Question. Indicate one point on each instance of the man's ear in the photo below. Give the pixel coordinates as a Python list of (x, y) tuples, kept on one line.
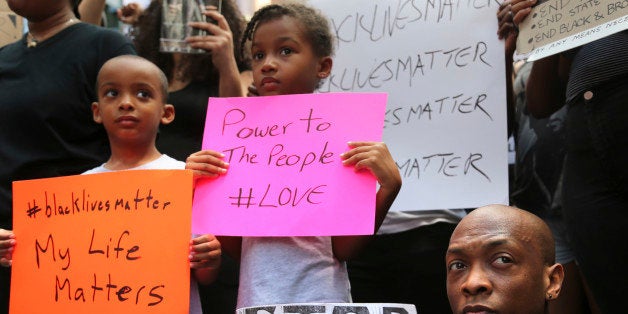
[(555, 275), (324, 69), (96, 112), (168, 114)]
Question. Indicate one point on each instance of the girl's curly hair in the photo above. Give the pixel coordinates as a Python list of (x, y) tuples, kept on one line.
[(314, 25), (198, 67)]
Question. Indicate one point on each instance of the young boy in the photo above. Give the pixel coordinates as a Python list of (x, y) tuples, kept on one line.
[(131, 106)]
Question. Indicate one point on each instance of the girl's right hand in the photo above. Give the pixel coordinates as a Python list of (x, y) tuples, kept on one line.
[(252, 91), (206, 164)]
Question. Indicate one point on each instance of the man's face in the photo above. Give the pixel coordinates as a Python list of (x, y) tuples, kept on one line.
[(494, 267)]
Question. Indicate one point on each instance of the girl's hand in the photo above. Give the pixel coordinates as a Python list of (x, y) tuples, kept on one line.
[(375, 157), (252, 91), (205, 252), (206, 163), (7, 244)]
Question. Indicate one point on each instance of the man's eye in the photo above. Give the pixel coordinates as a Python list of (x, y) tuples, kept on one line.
[(503, 260), (285, 51), (457, 266)]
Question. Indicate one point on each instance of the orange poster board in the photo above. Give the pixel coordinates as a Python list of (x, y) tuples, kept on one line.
[(103, 243)]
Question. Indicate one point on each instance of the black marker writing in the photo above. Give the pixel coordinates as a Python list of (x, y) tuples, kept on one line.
[(278, 197), (444, 164), (50, 245)]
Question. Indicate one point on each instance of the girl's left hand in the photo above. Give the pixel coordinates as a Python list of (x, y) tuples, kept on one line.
[(375, 157), (205, 252)]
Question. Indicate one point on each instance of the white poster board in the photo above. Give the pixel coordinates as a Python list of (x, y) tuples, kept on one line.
[(331, 308), (443, 68), (559, 25)]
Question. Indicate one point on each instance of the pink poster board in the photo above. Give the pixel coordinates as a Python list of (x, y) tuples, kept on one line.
[(285, 174)]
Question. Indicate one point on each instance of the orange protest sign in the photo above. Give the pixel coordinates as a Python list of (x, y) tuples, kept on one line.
[(104, 243)]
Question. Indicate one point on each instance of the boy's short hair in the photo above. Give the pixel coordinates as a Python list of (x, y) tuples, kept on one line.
[(162, 77)]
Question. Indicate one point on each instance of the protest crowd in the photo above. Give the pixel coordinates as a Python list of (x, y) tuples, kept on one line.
[(93, 88)]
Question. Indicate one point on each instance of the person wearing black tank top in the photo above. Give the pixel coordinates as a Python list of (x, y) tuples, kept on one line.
[(592, 81)]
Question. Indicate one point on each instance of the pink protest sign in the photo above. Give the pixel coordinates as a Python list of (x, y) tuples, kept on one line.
[(285, 174)]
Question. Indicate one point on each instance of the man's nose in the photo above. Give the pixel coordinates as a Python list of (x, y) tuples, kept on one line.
[(477, 282)]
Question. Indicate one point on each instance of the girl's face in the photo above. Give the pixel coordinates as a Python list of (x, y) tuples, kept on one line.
[(283, 59)]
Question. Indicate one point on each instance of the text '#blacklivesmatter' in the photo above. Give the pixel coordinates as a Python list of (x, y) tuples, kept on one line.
[(77, 203)]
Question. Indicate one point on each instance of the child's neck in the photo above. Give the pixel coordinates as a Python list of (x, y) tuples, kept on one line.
[(132, 156)]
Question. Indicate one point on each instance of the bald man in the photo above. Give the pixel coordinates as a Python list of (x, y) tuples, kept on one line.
[(501, 260)]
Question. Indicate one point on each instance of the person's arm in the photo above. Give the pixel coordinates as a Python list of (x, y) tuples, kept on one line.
[(205, 258), (220, 45), (91, 11), (246, 81), (374, 157), (7, 244), (508, 32), (545, 89), (209, 164)]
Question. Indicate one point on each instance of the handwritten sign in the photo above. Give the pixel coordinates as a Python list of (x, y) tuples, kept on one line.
[(559, 25), (331, 308), (103, 243), (286, 177), (443, 68)]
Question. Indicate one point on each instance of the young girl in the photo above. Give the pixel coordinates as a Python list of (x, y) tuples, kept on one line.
[(291, 48)]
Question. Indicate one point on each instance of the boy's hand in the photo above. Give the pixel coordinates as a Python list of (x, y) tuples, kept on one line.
[(205, 252), (206, 163), (7, 244), (375, 157)]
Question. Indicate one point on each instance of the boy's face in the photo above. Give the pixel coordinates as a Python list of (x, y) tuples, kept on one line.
[(283, 59), (495, 267), (130, 100)]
